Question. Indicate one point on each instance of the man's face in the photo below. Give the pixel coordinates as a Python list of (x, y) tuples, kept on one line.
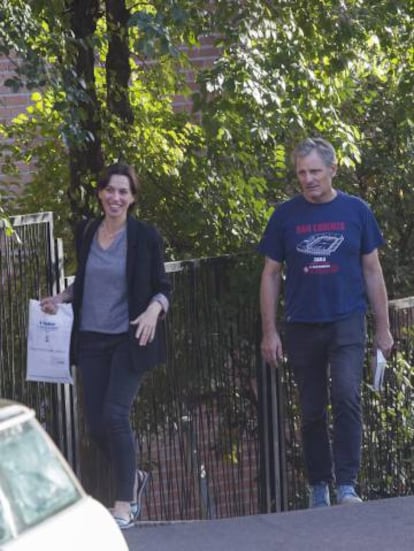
[(315, 178)]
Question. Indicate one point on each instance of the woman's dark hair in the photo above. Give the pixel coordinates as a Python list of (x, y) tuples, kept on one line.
[(119, 169)]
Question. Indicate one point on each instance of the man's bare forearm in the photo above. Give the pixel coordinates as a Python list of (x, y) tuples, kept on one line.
[(269, 299)]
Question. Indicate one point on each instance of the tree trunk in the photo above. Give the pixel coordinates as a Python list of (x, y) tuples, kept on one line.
[(85, 151), (118, 69)]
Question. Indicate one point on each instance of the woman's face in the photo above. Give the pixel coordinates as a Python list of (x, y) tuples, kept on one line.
[(116, 197)]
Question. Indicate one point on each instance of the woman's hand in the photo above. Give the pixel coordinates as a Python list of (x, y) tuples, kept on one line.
[(146, 323), (49, 305)]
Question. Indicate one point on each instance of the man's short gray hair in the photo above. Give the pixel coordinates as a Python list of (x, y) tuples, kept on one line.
[(324, 149)]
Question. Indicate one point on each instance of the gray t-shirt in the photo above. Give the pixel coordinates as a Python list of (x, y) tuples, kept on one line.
[(105, 302)]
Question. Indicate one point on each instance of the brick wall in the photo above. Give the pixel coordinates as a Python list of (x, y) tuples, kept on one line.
[(11, 104), (202, 57), (193, 477)]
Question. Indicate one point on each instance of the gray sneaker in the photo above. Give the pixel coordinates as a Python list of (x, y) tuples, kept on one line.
[(319, 495), (346, 494)]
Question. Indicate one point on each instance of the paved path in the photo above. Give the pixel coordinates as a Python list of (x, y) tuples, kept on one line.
[(384, 525)]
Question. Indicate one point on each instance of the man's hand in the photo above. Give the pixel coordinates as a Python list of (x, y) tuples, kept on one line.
[(271, 348), (384, 341)]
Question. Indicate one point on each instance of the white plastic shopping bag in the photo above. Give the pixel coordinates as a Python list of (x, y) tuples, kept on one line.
[(48, 344)]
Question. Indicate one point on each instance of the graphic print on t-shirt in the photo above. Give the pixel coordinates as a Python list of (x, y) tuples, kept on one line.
[(320, 246)]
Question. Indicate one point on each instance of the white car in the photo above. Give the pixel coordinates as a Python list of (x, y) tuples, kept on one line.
[(43, 507)]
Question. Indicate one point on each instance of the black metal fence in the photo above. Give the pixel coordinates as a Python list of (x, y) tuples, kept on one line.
[(196, 417), (219, 431), (208, 391), (31, 267)]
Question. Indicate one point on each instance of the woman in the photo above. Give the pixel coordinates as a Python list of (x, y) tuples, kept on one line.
[(119, 295)]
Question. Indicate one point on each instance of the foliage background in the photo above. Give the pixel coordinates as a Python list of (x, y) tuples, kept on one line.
[(103, 76)]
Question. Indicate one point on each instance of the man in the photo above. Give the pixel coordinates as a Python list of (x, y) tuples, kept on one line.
[(329, 242)]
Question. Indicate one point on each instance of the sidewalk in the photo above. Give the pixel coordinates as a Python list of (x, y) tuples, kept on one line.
[(383, 525)]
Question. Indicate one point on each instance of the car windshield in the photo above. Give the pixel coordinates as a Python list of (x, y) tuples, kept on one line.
[(34, 484)]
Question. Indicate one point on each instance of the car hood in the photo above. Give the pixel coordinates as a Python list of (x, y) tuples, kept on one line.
[(85, 525)]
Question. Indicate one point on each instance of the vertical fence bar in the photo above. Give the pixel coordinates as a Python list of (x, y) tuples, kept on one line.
[(272, 441), (264, 432)]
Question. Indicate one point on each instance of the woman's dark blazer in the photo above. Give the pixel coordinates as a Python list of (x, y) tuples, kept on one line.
[(145, 278)]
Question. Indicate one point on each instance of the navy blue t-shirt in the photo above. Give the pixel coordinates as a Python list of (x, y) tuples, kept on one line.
[(322, 245)]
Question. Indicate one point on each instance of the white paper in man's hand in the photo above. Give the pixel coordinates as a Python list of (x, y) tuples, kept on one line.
[(379, 365)]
